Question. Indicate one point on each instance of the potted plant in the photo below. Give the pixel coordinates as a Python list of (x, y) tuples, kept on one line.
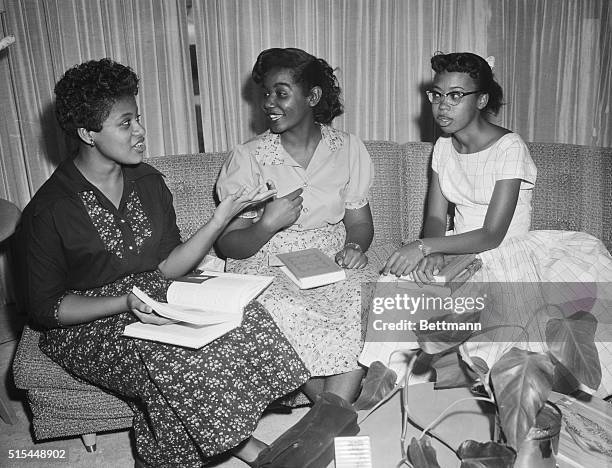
[(517, 385)]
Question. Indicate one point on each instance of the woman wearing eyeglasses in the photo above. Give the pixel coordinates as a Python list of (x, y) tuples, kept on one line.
[(479, 166), (486, 171)]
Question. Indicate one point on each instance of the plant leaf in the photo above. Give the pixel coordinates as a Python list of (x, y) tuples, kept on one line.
[(572, 342), (563, 380), (452, 372), (480, 365), (422, 454), (378, 382), (522, 381), (485, 455), (437, 341)]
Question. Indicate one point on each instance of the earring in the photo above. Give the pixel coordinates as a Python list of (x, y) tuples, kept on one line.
[(92, 143)]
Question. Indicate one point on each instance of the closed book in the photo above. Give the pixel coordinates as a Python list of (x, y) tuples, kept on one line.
[(456, 266), (203, 306), (310, 268), (456, 269)]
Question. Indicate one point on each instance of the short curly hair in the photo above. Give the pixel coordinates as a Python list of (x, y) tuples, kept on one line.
[(86, 93), (308, 71), (480, 71)]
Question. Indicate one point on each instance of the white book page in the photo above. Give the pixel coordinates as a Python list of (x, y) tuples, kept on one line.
[(218, 293), (183, 313)]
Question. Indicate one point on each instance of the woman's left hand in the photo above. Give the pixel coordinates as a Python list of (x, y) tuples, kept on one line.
[(144, 312), (427, 268), (351, 257), (403, 260)]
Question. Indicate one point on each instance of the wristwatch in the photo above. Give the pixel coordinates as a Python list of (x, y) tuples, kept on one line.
[(355, 246)]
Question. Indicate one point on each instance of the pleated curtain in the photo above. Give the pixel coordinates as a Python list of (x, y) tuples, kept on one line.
[(553, 59), (53, 35)]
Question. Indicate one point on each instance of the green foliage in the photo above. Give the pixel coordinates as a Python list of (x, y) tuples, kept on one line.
[(572, 342), (422, 454), (519, 383), (378, 383), (452, 372), (522, 381), (485, 455)]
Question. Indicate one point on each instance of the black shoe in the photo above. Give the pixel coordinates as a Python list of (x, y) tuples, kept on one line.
[(310, 442)]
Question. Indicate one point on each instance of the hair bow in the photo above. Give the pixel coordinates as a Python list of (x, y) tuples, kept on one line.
[(491, 61), (6, 41)]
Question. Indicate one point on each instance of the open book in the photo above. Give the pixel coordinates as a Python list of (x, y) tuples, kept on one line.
[(310, 268), (204, 307)]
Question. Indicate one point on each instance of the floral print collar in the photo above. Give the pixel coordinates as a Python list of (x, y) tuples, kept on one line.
[(270, 152)]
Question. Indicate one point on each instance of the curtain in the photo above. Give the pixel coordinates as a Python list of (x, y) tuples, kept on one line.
[(51, 36), (380, 48), (553, 59)]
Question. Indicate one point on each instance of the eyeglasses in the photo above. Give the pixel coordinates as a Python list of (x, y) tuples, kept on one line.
[(454, 97)]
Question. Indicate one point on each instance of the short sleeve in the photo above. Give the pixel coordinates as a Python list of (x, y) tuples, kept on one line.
[(515, 162), (361, 174), (239, 170), (438, 159)]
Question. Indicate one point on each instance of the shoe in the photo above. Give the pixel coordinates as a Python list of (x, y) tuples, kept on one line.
[(310, 442)]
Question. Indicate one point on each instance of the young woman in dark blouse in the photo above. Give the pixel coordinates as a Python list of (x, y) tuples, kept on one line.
[(104, 222)]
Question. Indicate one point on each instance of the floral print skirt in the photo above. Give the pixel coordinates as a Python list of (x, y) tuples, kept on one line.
[(189, 404), (323, 324)]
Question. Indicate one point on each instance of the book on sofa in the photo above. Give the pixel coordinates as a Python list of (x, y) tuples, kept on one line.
[(310, 268), (203, 306)]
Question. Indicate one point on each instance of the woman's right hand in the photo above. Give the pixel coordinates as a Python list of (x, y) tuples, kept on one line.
[(404, 260), (283, 211), (427, 268), (144, 312)]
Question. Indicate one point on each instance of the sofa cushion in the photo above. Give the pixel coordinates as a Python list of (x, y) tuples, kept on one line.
[(34, 369), (573, 190), (61, 413), (386, 200), (191, 179), (415, 182)]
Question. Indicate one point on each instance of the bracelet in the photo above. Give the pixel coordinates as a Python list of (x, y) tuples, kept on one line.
[(355, 246), (422, 247)]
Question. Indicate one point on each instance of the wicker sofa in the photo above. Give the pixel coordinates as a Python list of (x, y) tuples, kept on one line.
[(573, 192)]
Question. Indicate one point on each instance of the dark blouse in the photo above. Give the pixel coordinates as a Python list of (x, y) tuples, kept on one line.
[(75, 239)]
